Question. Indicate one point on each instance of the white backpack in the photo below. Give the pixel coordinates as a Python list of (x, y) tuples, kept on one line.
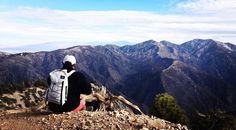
[(58, 88)]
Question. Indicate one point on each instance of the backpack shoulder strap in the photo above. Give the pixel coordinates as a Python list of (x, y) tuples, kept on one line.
[(70, 73)]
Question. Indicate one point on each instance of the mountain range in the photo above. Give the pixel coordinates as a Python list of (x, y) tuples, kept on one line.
[(198, 73), (50, 46)]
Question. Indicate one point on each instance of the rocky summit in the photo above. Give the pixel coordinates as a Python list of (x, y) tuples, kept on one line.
[(84, 120), (113, 113)]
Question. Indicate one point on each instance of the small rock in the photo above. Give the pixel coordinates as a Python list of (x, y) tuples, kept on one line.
[(144, 128), (185, 127), (131, 119), (141, 121), (155, 124)]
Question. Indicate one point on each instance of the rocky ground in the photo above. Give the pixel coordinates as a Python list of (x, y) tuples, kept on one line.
[(84, 120), (33, 115)]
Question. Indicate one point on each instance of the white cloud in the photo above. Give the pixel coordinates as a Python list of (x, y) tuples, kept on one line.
[(224, 7), (36, 25)]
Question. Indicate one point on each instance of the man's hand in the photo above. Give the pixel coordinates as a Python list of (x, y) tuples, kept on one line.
[(92, 97)]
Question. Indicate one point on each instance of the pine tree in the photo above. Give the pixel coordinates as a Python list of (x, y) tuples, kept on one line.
[(165, 107)]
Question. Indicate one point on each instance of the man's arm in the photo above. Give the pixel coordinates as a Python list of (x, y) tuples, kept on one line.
[(85, 85)]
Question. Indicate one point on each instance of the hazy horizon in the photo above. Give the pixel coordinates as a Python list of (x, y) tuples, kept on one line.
[(51, 46)]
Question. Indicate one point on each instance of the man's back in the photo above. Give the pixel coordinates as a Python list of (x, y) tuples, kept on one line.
[(77, 84)]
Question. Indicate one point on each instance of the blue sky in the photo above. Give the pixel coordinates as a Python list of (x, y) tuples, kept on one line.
[(104, 5), (29, 22)]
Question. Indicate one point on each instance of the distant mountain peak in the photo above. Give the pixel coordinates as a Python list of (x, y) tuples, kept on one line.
[(200, 42), (197, 45), (149, 42), (166, 42), (4, 53)]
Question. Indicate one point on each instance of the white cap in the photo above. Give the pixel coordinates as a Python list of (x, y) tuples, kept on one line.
[(69, 58)]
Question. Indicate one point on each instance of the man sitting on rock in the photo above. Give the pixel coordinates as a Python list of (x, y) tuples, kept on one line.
[(65, 87)]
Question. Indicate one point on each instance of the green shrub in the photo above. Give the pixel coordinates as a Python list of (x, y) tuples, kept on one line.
[(12, 87), (165, 107), (41, 83)]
